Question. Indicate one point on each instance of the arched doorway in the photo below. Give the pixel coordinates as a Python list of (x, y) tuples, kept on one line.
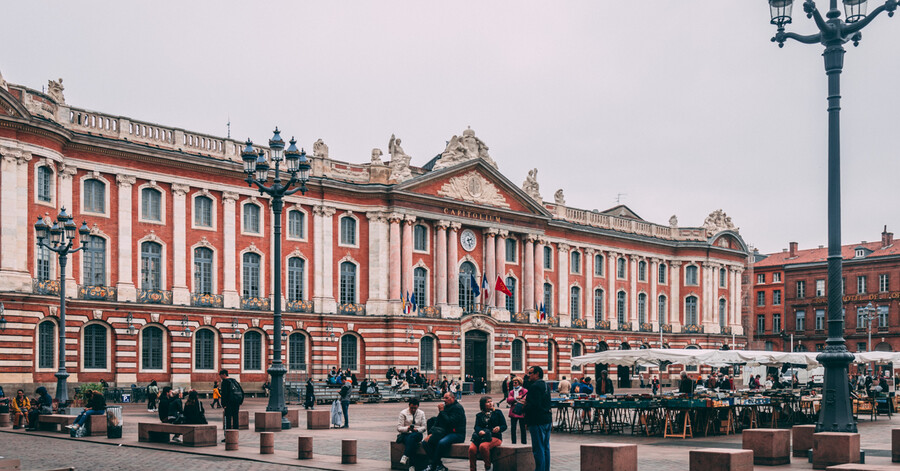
[(598, 367), (883, 347), (476, 354), (623, 372)]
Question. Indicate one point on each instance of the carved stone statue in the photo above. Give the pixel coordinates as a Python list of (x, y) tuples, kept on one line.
[(55, 90), (559, 197), (376, 156), (399, 161), (463, 149), (673, 221), (320, 149), (531, 186), (3, 84), (718, 221)]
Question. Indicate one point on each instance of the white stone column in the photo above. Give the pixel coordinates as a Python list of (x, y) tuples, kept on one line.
[(440, 264), (611, 276), (562, 288), (125, 288), (66, 200), (453, 267), (528, 275), (588, 291), (675, 303), (395, 291), (323, 300), (230, 296), (181, 294), (378, 246), (14, 275), (632, 296), (490, 263), (710, 299), (500, 298), (736, 324), (653, 302), (406, 257)]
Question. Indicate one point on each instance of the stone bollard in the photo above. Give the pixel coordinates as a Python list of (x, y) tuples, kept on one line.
[(304, 448), (614, 456), (266, 443), (895, 445), (231, 440), (5, 420), (318, 419), (802, 440), (348, 451), (706, 459), (293, 416), (834, 448), (771, 446), (267, 422)]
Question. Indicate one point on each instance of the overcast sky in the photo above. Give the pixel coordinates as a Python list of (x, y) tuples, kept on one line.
[(682, 107)]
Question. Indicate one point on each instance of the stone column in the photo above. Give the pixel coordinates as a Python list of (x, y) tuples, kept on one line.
[(562, 288), (66, 200), (406, 257), (632, 296), (230, 296), (528, 275), (490, 263), (588, 291), (611, 276), (736, 325), (395, 292), (539, 272), (710, 299), (14, 275), (653, 302), (125, 287), (500, 298), (180, 292), (675, 302), (323, 299), (453, 264), (377, 299), (440, 264)]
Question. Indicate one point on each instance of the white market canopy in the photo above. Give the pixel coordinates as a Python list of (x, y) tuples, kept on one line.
[(697, 357)]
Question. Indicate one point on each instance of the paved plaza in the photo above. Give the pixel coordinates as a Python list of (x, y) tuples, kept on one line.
[(372, 425)]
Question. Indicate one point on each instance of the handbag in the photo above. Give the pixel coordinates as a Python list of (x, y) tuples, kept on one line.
[(518, 409)]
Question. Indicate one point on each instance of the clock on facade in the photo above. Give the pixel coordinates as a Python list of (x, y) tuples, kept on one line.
[(468, 240)]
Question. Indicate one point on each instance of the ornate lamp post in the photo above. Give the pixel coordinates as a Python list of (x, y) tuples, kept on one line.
[(257, 169), (60, 238), (836, 415)]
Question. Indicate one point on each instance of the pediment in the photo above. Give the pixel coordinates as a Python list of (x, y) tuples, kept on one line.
[(622, 211), (473, 182), (10, 106)]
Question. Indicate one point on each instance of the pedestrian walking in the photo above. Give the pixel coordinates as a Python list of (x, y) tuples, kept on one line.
[(345, 391), (232, 398)]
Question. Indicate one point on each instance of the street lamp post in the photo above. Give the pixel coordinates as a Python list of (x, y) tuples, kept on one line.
[(836, 415), (257, 169), (59, 238), (870, 316)]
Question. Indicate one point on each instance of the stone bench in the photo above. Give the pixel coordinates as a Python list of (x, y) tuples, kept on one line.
[(191, 435), (615, 456), (503, 458), (771, 446), (56, 422), (706, 459)]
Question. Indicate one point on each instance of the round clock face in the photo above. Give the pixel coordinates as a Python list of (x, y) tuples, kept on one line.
[(468, 240)]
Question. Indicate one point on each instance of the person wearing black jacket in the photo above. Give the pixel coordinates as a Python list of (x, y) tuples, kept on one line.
[(538, 417), (448, 428), (310, 395), (43, 405), (162, 409), (686, 385), (176, 412), (345, 391), (232, 397), (193, 409), (489, 427), (96, 406)]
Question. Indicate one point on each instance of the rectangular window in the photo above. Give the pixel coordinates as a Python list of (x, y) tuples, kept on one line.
[(820, 319), (420, 238), (620, 268), (511, 300), (820, 288), (598, 265), (420, 277), (662, 273), (801, 289), (760, 298), (46, 337), (776, 297), (801, 321), (548, 298), (94, 196), (511, 250), (861, 318), (576, 262), (642, 271), (776, 277), (723, 277), (548, 258), (575, 302), (95, 262), (883, 283), (776, 323), (761, 278), (251, 218), (861, 346), (296, 221), (44, 183), (43, 263), (150, 204), (861, 284), (882, 316), (760, 324), (203, 211), (518, 348), (348, 231), (690, 275)]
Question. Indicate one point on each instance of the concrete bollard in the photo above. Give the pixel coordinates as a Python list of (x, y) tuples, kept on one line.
[(835, 448), (348, 451), (266, 443), (704, 459), (231, 440), (5, 421), (771, 446), (304, 448), (613, 456), (802, 440)]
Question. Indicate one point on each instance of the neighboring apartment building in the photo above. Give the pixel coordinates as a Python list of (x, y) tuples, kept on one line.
[(790, 296)]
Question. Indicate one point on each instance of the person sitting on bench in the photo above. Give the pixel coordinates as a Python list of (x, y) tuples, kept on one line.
[(96, 405), (43, 405), (446, 429)]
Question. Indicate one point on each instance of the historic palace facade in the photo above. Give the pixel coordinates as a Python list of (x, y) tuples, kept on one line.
[(177, 280)]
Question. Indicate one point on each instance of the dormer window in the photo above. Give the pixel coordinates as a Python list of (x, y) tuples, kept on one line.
[(860, 253)]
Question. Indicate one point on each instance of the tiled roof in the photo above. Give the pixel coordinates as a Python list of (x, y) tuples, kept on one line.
[(821, 255)]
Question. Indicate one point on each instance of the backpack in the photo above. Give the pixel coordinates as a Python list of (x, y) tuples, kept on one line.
[(237, 393)]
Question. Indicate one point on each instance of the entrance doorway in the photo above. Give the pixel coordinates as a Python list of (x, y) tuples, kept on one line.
[(476, 354)]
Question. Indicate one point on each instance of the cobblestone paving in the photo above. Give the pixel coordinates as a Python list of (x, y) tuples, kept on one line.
[(372, 425)]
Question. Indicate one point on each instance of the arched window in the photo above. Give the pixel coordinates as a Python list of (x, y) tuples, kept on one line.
[(466, 293), (576, 262), (518, 355), (95, 262), (348, 283), (348, 230), (297, 352), (722, 321), (203, 211), (251, 218), (204, 350), (620, 307), (642, 271), (426, 354), (662, 308), (252, 351), (551, 355), (690, 275), (94, 196), (662, 273), (152, 348), (250, 285), (349, 352), (420, 238), (690, 310), (203, 270), (151, 268), (620, 268), (548, 258), (577, 351), (46, 344), (769, 346), (420, 280), (598, 305), (511, 300), (548, 298), (598, 265), (151, 201), (642, 308), (296, 267), (44, 184), (575, 302), (296, 221), (94, 348)]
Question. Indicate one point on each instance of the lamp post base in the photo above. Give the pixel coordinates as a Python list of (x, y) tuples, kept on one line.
[(62, 392), (837, 413)]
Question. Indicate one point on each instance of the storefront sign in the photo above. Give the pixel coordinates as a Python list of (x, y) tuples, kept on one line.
[(871, 297)]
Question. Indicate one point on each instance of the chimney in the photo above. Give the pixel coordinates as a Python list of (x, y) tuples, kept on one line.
[(887, 238), (793, 249)]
